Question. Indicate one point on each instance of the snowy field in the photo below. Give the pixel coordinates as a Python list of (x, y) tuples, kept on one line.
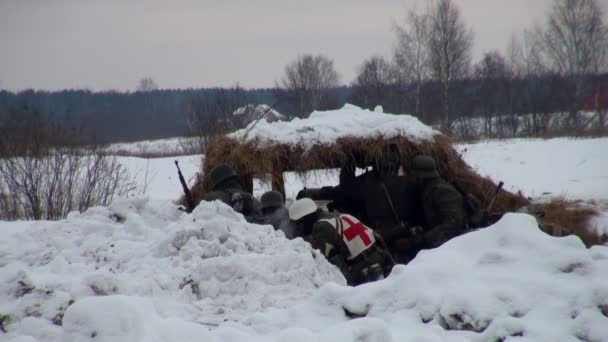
[(141, 270), (158, 147), (574, 168), (157, 178)]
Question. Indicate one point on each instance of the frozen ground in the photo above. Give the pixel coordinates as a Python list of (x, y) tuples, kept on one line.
[(575, 168), (144, 271), (157, 147), (141, 270), (157, 178)]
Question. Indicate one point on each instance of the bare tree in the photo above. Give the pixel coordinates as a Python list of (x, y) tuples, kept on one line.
[(574, 44), (214, 113), (411, 54), (372, 82), (493, 73), (574, 37), (147, 84), (307, 81), (450, 44)]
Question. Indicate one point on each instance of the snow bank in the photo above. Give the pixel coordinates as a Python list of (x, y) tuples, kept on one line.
[(576, 168), (509, 280), (133, 272), (327, 126), (110, 272)]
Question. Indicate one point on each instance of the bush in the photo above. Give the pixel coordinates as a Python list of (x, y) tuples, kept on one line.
[(47, 171)]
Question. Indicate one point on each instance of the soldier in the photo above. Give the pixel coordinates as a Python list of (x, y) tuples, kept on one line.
[(225, 186), (275, 214), (442, 206), (347, 243), (380, 198)]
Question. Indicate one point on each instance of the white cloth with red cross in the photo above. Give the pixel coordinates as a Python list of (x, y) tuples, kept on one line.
[(357, 236)]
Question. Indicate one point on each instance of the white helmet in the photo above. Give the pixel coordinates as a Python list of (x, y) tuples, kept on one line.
[(301, 208)]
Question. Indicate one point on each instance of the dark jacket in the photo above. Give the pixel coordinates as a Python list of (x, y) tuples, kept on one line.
[(443, 208), (279, 219), (233, 194), (331, 242), (368, 191)]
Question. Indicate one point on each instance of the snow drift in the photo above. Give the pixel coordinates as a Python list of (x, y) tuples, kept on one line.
[(112, 263), (138, 271)]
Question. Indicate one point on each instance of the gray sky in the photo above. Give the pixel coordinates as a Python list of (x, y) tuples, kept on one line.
[(112, 44)]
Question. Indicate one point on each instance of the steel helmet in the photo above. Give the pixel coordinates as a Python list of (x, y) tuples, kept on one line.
[(301, 208), (424, 167), (219, 174), (272, 199)]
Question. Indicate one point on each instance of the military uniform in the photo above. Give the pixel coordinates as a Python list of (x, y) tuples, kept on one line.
[(351, 246), (275, 214), (225, 187), (443, 209), (347, 243)]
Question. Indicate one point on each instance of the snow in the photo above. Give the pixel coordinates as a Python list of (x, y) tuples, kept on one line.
[(157, 177), (574, 168), (325, 127), (257, 111), (141, 271), (138, 259), (158, 147)]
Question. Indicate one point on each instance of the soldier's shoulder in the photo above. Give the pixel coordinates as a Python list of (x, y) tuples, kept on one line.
[(217, 195), (446, 190)]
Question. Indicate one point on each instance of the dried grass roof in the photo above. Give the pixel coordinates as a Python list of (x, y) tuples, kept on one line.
[(249, 159), (252, 158)]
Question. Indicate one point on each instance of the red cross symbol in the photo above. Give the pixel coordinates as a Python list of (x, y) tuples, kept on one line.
[(356, 229)]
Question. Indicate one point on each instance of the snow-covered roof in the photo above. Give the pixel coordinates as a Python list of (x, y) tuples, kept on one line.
[(257, 110), (325, 127)]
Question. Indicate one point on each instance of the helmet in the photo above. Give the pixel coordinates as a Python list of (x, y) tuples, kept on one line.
[(424, 167), (301, 208), (219, 174), (272, 199)]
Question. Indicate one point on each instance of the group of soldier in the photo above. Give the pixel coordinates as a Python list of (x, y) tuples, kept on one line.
[(373, 221)]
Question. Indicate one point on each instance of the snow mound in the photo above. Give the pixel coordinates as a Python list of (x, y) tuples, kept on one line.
[(508, 281), (135, 272), (108, 266), (325, 127)]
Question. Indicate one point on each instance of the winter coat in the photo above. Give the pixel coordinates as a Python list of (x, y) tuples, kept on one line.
[(240, 200), (369, 195), (279, 219), (349, 245), (444, 214)]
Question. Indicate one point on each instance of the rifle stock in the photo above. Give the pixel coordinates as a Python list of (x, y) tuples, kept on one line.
[(189, 201)]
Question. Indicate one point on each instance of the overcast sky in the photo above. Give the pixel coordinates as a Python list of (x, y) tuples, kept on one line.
[(112, 44)]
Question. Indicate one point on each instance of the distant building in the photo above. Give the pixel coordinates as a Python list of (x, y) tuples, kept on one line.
[(249, 113)]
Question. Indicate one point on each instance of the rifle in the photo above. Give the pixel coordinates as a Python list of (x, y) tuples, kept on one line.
[(480, 217), (318, 194), (189, 202), (491, 204), (401, 229)]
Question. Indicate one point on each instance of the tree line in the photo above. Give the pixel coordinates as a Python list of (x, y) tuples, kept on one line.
[(551, 68)]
